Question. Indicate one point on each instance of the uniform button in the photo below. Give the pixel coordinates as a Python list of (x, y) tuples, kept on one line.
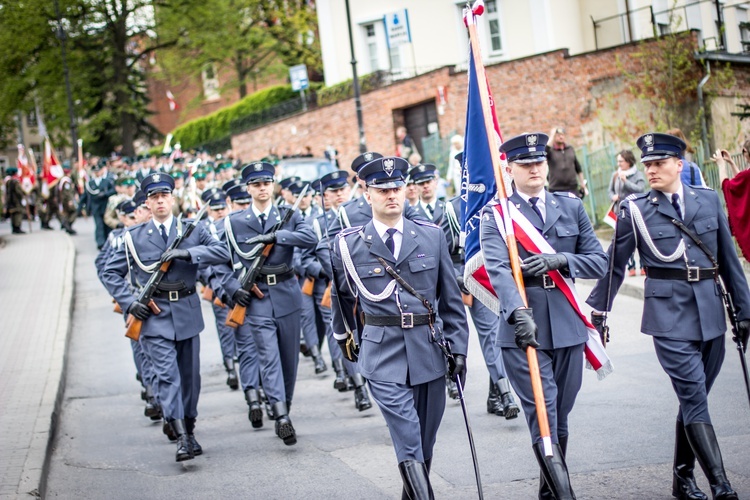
[(660, 233), (400, 289), (690, 246), (546, 236), (692, 261), (370, 272), (423, 265), (653, 292), (398, 270), (708, 227), (405, 306), (568, 232)]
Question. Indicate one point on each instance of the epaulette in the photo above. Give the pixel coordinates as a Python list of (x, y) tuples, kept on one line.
[(566, 194), (634, 196), (426, 223)]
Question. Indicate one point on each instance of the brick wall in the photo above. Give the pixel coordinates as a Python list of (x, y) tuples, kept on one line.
[(586, 94)]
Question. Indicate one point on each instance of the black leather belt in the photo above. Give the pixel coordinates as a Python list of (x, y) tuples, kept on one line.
[(689, 274), (271, 279), (174, 295), (543, 281), (406, 320)]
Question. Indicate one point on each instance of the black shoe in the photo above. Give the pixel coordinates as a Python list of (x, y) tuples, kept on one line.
[(510, 408), (416, 480), (703, 441), (168, 431), (684, 486), (320, 364), (255, 411), (451, 386), (190, 428), (18, 230), (361, 397), (152, 409), (555, 473), (340, 382), (232, 381), (284, 428), (46, 227), (184, 450), (493, 400), (144, 396), (304, 349)]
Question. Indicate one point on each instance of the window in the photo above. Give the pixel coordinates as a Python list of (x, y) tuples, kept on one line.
[(493, 25), (744, 26), (210, 83), (372, 46)]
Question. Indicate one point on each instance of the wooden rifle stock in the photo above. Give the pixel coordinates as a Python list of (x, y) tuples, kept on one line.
[(219, 303), (117, 307), (308, 286), (325, 301), (134, 324), (468, 299), (207, 293)]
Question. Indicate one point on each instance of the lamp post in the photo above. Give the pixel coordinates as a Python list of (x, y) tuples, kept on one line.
[(355, 84), (71, 111)]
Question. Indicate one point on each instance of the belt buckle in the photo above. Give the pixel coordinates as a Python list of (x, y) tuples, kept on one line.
[(270, 279), (693, 273), (547, 282), (407, 320), (174, 295)]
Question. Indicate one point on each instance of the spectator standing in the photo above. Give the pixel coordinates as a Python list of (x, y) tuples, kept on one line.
[(691, 173), (626, 180), (736, 194), (453, 176), (405, 146), (565, 173)]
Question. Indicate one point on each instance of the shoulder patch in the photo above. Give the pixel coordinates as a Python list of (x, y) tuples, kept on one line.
[(635, 196)]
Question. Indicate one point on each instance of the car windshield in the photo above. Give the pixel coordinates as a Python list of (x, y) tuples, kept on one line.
[(307, 169)]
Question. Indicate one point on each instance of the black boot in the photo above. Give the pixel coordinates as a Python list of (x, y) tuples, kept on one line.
[(168, 431), (232, 380), (255, 412), (284, 427), (361, 398), (152, 409), (340, 382), (184, 450), (190, 428), (18, 230), (555, 473), (684, 486), (450, 384), (320, 364), (706, 448), (416, 481), (45, 226), (510, 408), (493, 400), (304, 349)]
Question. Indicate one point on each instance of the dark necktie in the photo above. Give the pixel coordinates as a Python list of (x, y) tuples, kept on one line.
[(532, 202), (302, 213), (163, 233), (676, 204), (429, 210), (262, 218), (389, 242)]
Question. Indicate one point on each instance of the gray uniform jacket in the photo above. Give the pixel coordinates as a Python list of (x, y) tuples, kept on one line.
[(178, 320), (678, 309), (391, 353), (568, 230)]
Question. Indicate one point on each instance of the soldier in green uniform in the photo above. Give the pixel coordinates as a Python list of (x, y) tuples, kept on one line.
[(14, 200)]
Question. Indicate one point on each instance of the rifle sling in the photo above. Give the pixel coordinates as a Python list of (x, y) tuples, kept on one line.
[(698, 242), (407, 286)]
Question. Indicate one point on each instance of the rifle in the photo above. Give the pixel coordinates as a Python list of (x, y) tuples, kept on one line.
[(134, 324), (236, 317)]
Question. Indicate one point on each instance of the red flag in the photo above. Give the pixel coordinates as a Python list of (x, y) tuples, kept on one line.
[(610, 218), (26, 173), (172, 103), (52, 171)]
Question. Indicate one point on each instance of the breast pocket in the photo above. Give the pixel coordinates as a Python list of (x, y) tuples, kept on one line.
[(370, 349), (149, 256), (665, 237), (421, 277), (707, 230), (373, 270), (567, 230)]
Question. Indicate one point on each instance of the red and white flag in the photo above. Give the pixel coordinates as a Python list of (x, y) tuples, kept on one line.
[(172, 103), (26, 171), (52, 170), (610, 218)]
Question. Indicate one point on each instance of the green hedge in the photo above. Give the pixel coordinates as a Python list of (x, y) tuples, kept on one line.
[(215, 127)]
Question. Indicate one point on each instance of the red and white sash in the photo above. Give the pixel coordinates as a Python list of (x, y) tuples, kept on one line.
[(533, 242)]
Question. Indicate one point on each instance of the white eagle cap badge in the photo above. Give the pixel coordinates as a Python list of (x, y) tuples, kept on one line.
[(421, 168), (334, 175), (648, 140), (368, 156), (388, 166), (531, 140), (258, 167), (155, 177)]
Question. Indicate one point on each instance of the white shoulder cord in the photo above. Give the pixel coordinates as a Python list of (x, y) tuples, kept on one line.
[(316, 226), (352, 272), (344, 218), (129, 246), (639, 226), (230, 239), (452, 220)]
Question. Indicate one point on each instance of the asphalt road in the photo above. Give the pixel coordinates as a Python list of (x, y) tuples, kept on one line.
[(620, 447)]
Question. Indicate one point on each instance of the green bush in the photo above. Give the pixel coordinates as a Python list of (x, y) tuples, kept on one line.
[(215, 127)]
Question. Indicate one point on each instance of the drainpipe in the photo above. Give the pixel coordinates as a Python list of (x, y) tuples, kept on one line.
[(704, 126)]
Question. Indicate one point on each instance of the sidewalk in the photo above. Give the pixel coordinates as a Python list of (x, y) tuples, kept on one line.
[(35, 307)]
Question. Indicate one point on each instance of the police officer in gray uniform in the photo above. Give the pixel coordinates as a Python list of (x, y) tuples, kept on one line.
[(549, 323), (398, 352), (273, 322), (170, 338), (682, 309)]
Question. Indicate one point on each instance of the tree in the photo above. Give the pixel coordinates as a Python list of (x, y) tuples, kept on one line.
[(250, 38), (107, 42)]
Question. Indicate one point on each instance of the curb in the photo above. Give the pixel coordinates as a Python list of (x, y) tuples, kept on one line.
[(628, 289), (36, 467)]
